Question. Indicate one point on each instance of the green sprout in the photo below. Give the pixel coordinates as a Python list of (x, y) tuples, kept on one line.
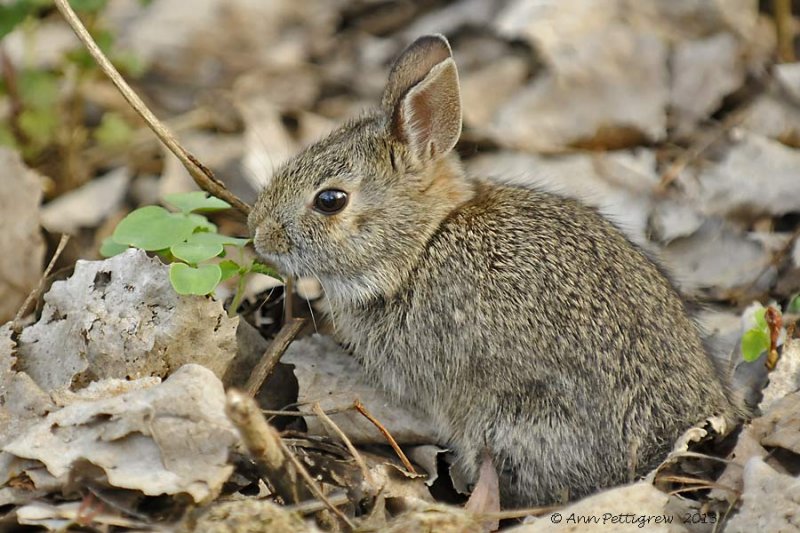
[(756, 341), (189, 242)]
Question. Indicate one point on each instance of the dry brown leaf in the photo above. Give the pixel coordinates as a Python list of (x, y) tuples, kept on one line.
[(169, 438), (21, 243)]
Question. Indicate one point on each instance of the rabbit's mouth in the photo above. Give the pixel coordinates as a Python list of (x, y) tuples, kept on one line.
[(283, 263)]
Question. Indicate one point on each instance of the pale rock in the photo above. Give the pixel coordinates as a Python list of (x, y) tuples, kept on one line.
[(121, 318), (785, 378), (770, 501), (780, 425)]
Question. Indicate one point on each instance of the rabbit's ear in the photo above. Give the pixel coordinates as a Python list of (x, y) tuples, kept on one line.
[(422, 98)]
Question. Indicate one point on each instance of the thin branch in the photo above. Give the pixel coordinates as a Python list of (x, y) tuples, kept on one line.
[(313, 506), (335, 411), (202, 175), (325, 419), (784, 29), (696, 151), (16, 324), (388, 436), (14, 99), (272, 355), (519, 513), (313, 485), (268, 450)]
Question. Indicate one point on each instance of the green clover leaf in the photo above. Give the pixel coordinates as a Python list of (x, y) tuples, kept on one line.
[(153, 228), (195, 201), (199, 281)]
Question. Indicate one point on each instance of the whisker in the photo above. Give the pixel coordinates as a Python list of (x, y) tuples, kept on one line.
[(311, 310), (333, 319)]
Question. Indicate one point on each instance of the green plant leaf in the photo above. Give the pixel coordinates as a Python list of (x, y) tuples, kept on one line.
[(201, 223), (754, 343), (129, 63), (195, 201), (794, 305), (39, 125), (153, 228), (12, 14), (113, 130), (229, 269), (761, 319), (38, 89), (205, 237), (200, 281), (194, 253), (110, 247), (261, 268)]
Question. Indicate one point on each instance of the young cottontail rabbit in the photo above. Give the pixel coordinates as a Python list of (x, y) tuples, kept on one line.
[(520, 322)]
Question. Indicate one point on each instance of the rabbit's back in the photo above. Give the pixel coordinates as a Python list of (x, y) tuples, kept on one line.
[(531, 326)]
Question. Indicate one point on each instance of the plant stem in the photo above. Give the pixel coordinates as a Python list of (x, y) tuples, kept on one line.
[(238, 295)]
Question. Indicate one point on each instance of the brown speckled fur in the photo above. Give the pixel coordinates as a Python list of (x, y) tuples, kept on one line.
[(517, 320)]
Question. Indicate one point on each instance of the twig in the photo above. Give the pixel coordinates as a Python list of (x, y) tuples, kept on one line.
[(203, 176), (704, 487), (519, 513), (312, 484), (14, 100), (699, 148), (272, 355), (776, 259), (775, 322), (16, 324), (784, 31), (312, 506), (388, 436), (684, 479), (325, 419), (269, 451), (727, 514), (337, 410), (261, 439)]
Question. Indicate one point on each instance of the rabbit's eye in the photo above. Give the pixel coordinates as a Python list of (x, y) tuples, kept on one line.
[(330, 201)]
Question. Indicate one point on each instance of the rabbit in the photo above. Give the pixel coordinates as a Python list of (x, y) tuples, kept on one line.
[(522, 323)]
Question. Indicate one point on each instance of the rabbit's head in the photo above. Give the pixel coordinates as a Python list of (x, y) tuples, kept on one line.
[(356, 209)]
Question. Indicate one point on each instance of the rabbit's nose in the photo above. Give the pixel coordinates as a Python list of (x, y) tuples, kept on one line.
[(270, 238)]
